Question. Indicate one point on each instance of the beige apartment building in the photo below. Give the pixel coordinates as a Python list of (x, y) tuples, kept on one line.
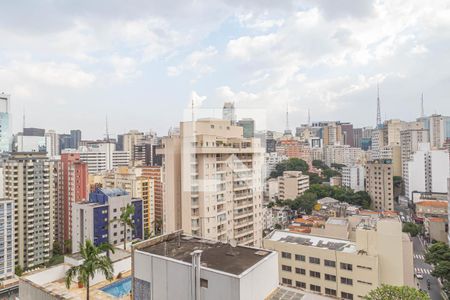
[(379, 184), (376, 253), (292, 184), (213, 182), (30, 180), (138, 186)]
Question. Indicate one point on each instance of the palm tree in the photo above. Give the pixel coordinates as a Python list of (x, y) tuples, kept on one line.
[(93, 262), (126, 218)]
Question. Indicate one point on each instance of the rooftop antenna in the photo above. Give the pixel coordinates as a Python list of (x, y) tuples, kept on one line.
[(287, 117), (107, 131), (23, 126), (422, 111), (192, 108), (378, 107), (309, 117)]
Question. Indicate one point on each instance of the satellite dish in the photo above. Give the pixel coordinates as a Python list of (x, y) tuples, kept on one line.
[(233, 243)]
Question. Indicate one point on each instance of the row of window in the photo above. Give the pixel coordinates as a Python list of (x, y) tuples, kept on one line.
[(317, 289), (315, 260), (315, 274)]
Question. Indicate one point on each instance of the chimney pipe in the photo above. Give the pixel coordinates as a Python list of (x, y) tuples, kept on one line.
[(195, 275)]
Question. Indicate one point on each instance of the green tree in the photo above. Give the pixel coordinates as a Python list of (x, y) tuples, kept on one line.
[(18, 270), (291, 164), (93, 262), (437, 252), (442, 270), (126, 219), (389, 292), (411, 228)]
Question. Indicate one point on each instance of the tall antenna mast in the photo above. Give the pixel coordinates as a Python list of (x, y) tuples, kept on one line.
[(309, 117), (107, 131), (192, 108), (23, 129), (287, 117), (378, 107), (422, 111)]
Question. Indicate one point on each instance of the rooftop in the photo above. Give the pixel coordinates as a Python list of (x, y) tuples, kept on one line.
[(436, 204), (216, 255), (337, 221), (288, 293), (327, 200), (312, 241)]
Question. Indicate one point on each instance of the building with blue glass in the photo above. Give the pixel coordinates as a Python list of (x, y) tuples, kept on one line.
[(5, 130), (98, 219)]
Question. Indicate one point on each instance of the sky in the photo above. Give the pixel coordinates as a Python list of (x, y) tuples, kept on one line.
[(69, 64)]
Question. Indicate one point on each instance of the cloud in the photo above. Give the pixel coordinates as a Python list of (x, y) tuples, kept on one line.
[(196, 100), (197, 63)]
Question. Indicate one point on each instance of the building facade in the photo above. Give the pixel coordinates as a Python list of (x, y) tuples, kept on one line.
[(30, 180), (5, 129), (427, 171), (213, 184), (292, 184), (354, 177), (380, 253), (379, 184), (7, 261), (98, 219), (72, 188)]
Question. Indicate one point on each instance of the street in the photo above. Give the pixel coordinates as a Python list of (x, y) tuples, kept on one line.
[(420, 266)]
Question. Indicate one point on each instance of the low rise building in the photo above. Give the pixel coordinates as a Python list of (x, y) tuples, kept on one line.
[(380, 254), (432, 209), (98, 219), (182, 267), (436, 229), (292, 184)]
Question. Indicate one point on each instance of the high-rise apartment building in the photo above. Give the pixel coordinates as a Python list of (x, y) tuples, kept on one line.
[(101, 156), (52, 143), (213, 182), (228, 112), (154, 173), (342, 154), (410, 141), (75, 138), (292, 184), (427, 171), (130, 140), (345, 268), (133, 182), (5, 129), (379, 184), (7, 258), (249, 127), (348, 134), (354, 177), (30, 180), (439, 129), (98, 219), (332, 133), (30, 140), (72, 188)]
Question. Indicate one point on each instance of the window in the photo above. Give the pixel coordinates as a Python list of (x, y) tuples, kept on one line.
[(314, 260), (203, 283), (299, 257), (347, 281), (314, 274), (300, 271), (314, 288), (347, 296), (330, 263), (347, 267), (330, 292), (286, 268), (286, 281), (286, 255), (330, 277), (300, 284)]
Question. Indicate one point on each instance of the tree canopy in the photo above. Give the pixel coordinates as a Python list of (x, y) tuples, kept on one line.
[(411, 228), (291, 164), (389, 292), (438, 255)]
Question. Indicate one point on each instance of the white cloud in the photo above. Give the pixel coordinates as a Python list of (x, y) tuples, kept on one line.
[(196, 100), (198, 62)]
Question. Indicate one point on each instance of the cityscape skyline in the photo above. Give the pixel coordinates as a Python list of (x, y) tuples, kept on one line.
[(79, 64)]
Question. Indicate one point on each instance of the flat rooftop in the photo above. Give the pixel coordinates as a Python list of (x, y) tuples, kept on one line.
[(216, 255), (312, 241)]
